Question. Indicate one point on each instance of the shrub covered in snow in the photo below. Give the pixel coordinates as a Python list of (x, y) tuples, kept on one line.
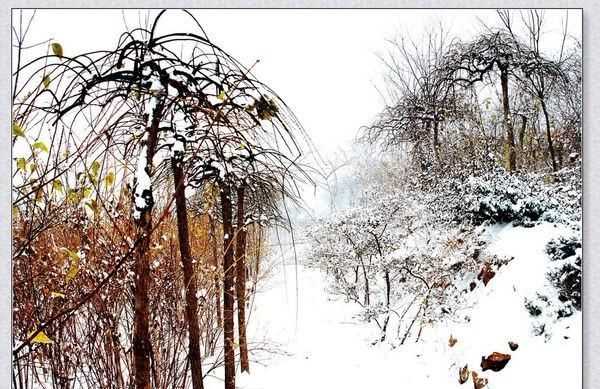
[(500, 197), (565, 252)]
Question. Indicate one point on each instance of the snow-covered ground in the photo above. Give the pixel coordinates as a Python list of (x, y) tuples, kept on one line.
[(310, 339)]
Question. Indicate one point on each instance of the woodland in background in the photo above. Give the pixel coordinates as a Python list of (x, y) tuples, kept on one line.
[(476, 133), (464, 107), (145, 178)]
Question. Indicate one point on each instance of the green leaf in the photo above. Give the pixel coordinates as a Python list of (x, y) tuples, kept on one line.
[(39, 145), (57, 49), (21, 164), (46, 81), (17, 130), (221, 95)]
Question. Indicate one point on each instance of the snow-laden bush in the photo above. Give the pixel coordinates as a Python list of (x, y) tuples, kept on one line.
[(565, 276), (501, 197), (388, 257)]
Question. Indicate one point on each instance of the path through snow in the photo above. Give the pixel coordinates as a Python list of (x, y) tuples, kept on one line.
[(317, 343)]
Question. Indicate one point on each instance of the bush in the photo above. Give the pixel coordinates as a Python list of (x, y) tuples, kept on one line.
[(501, 197), (566, 275)]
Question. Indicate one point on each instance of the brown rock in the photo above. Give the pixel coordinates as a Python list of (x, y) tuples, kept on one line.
[(495, 361), (478, 382), (486, 273), (463, 374), (513, 346), (452, 341)]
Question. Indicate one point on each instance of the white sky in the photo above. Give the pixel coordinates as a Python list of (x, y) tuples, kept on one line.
[(323, 63)]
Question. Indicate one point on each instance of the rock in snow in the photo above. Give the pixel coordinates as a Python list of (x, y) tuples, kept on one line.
[(495, 361)]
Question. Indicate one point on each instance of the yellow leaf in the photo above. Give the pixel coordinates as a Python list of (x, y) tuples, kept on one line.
[(109, 180), (87, 191), (221, 95), (41, 337), (57, 49), (74, 266), (21, 164), (57, 294), (46, 81), (95, 169), (57, 186), (73, 196), (17, 130), (39, 145)]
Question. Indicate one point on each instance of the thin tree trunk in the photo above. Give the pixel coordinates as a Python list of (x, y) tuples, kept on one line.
[(388, 290), (436, 141), (240, 281), (549, 135), (510, 136), (228, 284), (217, 283), (189, 279), (116, 358), (258, 235), (142, 347), (367, 299)]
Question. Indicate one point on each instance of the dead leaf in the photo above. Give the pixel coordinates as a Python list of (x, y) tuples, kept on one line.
[(463, 374), (478, 382)]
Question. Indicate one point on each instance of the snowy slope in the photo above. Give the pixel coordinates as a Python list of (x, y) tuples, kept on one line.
[(326, 347)]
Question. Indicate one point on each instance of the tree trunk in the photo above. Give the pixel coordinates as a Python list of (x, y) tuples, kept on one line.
[(436, 141), (228, 281), (367, 299), (549, 134), (189, 279), (388, 290), (240, 280), (522, 132), (510, 136), (142, 347), (217, 283)]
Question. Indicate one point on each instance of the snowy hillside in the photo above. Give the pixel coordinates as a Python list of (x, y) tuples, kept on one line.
[(326, 346)]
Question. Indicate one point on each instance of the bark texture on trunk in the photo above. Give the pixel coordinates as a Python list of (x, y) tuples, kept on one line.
[(189, 278), (240, 280), (142, 347), (436, 141), (228, 285), (216, 280), (508, 124), (549, 135), (522, 132)]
